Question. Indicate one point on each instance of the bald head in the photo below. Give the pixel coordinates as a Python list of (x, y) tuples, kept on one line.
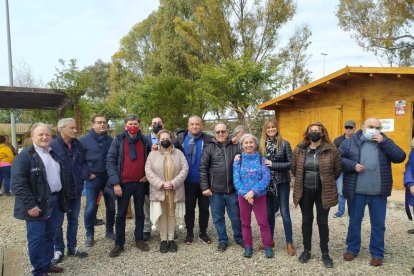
[(195, 125), (372, 123)]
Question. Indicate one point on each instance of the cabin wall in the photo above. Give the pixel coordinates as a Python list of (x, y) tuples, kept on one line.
[(358, 99)]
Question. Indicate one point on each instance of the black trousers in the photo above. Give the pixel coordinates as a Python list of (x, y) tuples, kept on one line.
[(137, 190), (192, 195), (308, 200)]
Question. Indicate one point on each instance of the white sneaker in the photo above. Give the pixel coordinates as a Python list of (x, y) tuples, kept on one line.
[(57, 258), (1, 192)]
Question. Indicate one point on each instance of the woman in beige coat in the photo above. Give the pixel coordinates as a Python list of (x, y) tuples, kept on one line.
[(166, 170)]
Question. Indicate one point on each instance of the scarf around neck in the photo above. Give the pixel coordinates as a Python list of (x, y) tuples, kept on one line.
[(131, 144)]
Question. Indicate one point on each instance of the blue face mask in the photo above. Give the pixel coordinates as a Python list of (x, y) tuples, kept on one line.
[(370, 132)]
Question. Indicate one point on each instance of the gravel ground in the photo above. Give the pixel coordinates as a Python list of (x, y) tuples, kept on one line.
[(202, 259)]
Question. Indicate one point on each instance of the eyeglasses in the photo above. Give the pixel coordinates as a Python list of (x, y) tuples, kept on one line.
[(100, 122), (377, 128), (218, 132), (349, 127)]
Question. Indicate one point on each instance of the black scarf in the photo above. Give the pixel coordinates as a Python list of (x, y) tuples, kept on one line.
[(271, 151), (131, 144)]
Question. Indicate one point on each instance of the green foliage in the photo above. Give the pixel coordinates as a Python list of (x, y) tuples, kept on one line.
[(383, 27), (198, 56), (71, 80), (171, 97)]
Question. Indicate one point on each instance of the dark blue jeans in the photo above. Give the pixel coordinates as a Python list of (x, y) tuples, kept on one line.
[(377, 206), (218, 204), (5, 173), (341, 198), (72, 227), (40, 234), (92, 189), (282, 202), (137, 190)]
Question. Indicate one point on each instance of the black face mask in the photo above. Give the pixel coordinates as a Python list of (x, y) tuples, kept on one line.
[(314, 136), (165, 144), (156, 128)]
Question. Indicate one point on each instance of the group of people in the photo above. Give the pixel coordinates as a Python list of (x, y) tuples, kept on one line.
[(168, 175)]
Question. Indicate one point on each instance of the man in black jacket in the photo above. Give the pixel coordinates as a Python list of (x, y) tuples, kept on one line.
[(71, 155), (39, 187), (349, 128), (125, 164), (96, 145), (216, 181), (191, 143)]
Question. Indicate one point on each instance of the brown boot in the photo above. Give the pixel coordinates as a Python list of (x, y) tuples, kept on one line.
[(291, 249), (376, 262), (129, 212)]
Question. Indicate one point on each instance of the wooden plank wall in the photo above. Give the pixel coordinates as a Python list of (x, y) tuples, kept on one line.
[(358, 99)]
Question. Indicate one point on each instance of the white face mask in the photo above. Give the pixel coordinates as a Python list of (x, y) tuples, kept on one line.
[(370, 132)]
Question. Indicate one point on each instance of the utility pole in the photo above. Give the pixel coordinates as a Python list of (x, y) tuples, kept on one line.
[(324, 55), (12, 116)]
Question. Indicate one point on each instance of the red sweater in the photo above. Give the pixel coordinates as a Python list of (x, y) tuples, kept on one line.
[(133, 170)]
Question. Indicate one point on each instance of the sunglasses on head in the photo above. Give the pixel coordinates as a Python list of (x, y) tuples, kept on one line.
[(349, 127)]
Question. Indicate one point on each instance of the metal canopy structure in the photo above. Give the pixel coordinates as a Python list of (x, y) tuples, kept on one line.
[(32, 98)]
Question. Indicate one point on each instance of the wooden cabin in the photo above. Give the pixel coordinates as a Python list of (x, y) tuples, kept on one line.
[(352, 93)]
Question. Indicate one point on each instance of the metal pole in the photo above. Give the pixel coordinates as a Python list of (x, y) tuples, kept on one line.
[(12, 116), (324, 55)]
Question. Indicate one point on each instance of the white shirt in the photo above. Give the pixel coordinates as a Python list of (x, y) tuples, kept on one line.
[(52, 169)]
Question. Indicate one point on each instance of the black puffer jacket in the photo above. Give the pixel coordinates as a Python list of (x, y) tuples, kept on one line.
[(216, 167)]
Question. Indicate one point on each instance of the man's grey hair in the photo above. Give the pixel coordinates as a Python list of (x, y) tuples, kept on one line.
[(248, 135), (36, 125), (237, 129), (63, 122)]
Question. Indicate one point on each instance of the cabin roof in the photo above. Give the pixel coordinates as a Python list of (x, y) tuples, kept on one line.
[(338, 78), (32, 98)]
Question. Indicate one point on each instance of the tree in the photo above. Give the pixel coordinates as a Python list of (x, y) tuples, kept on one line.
[(383, 27), (293, 59), (235, 84), (74, 83)]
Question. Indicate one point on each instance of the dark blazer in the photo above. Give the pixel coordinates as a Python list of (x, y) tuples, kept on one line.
[(74, 163), (30, 186), (350, 150), (115, 157)]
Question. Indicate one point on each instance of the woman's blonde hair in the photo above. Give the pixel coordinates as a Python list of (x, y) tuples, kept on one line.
[(263, 137)]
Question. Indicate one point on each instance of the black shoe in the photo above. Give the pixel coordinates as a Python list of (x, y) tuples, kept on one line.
[(304, 257), (141, 245), (172, 246), (175, 235), (204, 238), (77, 253), (89, 241), (222, 247), (116, 251), (99, 222), (146, 236), (164, 247), (57, 257), (327, 261), (412, 270), (411, 231), (189, 239), (110, 236)]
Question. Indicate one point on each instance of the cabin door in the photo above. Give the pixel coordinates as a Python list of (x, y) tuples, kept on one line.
[(329, 116)]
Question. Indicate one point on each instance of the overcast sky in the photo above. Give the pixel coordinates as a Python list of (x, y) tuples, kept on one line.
[(44, 31)]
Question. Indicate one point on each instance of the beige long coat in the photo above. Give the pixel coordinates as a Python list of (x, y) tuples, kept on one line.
[(154, 171)]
